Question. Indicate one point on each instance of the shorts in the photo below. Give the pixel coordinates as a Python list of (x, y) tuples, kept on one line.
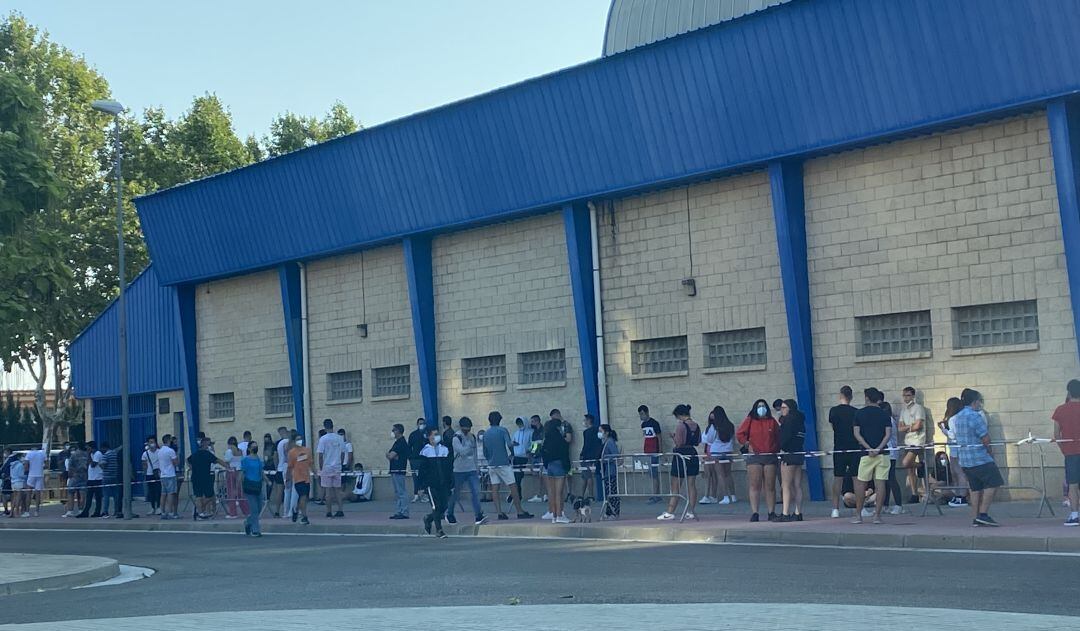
[(304, 488), (275, 477), (652, 463), (874, 468), (501, 475), (555, 469), (984, 476), (1072, 469), (686, 466), (168, 485), (761, 459), (845, 465), (330, 480), (721, 457), (202, 488), (793, 460), (17, 485), (35, 483)]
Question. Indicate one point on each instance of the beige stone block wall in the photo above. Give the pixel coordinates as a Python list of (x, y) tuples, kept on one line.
[(343, 292), (505, 289), (165, 424), (962, 218), (645, 245), (240, 338)]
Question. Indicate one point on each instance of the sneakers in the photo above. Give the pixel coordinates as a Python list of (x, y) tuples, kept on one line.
[(480, 520), (450, 519), (867, 512), (835, 513), (560, 520), (857, 520), (339, 514), (503, 517), (304, 520), (733, 499), (725, 500), (548, 515), (665, 516), (985, 520), (329, 515), (440, 534), (415, 498), (914, 499), (231, 516), (427, 524), (877, 520), (535, 499), (708, 500), (755, 517), (957, 502), (773, 517), (399, 516), (690, 516), (896, 510), (1073, 520), (295, 516), (525, 515)]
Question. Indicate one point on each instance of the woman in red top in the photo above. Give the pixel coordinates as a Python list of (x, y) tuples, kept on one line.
[(759, 434)]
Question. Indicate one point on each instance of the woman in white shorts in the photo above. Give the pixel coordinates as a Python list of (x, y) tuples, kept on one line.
[(719, 442)]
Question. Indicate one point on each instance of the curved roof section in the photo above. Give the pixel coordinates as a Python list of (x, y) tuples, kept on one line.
[(801, 78), (633, 23), (154, 360)]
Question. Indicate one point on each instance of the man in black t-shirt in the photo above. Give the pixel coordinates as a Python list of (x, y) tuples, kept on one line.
[(845, 465), (556, 453), (398, 457), (872, 428), (202, 478)]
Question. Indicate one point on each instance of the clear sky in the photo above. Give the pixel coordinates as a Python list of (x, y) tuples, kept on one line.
[(383, 58)]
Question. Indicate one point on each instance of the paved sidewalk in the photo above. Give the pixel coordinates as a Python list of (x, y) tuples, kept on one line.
[(1020, 530), (628, 617), (24, 573)]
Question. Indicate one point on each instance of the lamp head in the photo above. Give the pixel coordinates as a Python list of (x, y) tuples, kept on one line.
[(107, 106)]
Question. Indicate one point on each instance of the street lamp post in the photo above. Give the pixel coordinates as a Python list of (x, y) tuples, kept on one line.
[(115, 109)]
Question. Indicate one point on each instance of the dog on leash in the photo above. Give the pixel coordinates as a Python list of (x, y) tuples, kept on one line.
[(582, 509)]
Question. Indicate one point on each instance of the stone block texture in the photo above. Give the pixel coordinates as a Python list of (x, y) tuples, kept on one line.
[(504, 290), (725, 227), (344, 292), (241, 349), (962, 218)]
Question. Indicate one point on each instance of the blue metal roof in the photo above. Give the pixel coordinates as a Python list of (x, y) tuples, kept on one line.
[(154, 360), (803, 77)]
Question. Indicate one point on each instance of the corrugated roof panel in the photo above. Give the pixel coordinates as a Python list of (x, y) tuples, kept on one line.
[(802, 77), (633, 23), (154, 359)]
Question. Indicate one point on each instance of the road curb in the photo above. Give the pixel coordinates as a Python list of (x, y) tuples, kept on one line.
[(613, 531), (87, 570)]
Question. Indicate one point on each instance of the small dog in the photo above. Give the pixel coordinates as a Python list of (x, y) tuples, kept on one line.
[(582, 509)]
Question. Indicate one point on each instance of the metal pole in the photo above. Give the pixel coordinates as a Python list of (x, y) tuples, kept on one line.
[(125, 421)]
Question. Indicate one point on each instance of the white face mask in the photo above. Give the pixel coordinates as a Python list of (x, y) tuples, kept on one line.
[(600, 435), (762, 410), (438, 439), (393, 434)]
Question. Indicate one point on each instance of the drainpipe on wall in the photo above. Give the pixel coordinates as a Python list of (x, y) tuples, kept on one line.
[(601, 365), (306, 362)]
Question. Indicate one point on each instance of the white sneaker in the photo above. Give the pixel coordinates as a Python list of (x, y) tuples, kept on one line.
[(733, 499), (691, 516), (867, 512), (896, 510), (665, 516), (560, 520), (535, 499), (707, 500), (548, 515), (25, 515), (726, 500), (231, 516), (836, 513)]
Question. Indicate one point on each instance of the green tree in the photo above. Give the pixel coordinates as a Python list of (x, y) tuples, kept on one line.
[(290, 132)]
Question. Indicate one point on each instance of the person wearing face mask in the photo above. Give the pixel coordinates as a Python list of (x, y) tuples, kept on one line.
[(417, 440), (152, 471), (976, 458), (398, 456), (591, 446), (609, 470), (498, 450), (436, 473), (536, 458), (465, 470), (792, 459), (759, 434), (522, 437), (299, 471)]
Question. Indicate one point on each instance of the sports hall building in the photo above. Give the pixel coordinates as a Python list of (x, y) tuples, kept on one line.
[(739, 199)]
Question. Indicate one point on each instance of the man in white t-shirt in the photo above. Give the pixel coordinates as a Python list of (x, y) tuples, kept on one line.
[(347, 452), (94, 476), (281, 483), (912, 422), (35, 477), (167, 461), (331, 449), (244, 443)]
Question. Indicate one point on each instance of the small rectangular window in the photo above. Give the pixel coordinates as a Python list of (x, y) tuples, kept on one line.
[(659, 355), (222, 405), (729, 349), (163, 405), (345, 385), (1001, 324), (279, 400), (392, 381), (894, 333), (542, 366), (484, 372)]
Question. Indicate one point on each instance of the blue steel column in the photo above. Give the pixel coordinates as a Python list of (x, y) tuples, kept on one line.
[(579, 251), (786, 181), (1064, 119), (184, 301), (418, 267), (289, 275)]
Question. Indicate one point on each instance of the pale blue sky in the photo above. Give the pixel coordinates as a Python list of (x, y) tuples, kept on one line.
[(383, 59)]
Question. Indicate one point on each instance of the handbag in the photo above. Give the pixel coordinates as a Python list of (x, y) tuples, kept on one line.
[(252, 487)]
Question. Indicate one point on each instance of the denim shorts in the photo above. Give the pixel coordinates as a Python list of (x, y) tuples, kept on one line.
[(168, 485), (555, 469)]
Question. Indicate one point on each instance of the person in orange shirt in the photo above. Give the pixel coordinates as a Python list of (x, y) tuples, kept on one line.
[(299, 471)]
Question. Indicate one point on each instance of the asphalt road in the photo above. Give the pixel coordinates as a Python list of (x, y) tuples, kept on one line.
[(212, 572)]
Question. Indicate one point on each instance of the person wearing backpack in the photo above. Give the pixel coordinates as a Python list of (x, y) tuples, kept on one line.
[(685, 464)]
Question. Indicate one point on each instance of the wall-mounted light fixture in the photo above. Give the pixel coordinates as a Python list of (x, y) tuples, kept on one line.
[(689, 286)]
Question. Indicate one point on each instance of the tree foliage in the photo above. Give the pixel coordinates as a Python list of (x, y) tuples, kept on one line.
[(290, 132)]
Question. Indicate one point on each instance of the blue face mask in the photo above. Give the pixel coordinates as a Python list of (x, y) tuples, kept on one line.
[(762, 410)]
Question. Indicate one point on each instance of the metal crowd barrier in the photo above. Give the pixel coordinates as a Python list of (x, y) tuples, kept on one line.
[(633, 476)]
